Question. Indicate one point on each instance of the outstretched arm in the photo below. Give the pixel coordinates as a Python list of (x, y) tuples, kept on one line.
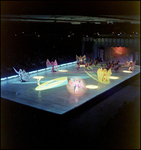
[(15, 70)]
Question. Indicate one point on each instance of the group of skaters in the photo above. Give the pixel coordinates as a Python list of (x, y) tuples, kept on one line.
[(113, 65)]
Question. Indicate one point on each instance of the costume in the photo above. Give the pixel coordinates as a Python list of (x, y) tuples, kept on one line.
[(81, 60), (23, 76), (78, 66), (52, 64), (77, 84)]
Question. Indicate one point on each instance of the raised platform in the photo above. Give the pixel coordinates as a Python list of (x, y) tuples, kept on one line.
[(52, 94)]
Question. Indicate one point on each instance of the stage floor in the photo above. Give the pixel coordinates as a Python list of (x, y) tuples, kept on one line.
[(52, 94)]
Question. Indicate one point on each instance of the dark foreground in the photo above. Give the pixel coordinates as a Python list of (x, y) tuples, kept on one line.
[(26, 127)]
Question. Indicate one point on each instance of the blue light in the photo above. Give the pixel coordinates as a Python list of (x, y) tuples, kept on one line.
[(48, 68), (59, 65), (63, 64), (41, 70), (69, 63), (2, 79), (32, 72), (12, 76)]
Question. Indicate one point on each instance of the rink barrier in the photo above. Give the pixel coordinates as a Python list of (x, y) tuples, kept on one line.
[(44, 69)]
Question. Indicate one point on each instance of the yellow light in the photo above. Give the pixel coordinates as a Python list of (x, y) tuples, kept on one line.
[(126, 71), (114, 77), (82, 65), (52, 84), (91, 86), (38, 77), (63, 70)]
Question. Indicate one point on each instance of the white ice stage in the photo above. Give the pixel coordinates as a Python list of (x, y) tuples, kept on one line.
[(52, 94)]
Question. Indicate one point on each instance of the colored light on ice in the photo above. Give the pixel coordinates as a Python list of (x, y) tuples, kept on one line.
[(126, 71), (114, 77), (38, 77), (82, 65), (52, 84), (63, 70), (91, 86)]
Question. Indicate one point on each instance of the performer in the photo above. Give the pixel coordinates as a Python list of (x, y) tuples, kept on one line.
[(131, 65), (91, 62), (52, 64), (77, 84), (78, 66), (84, 59), (81, 60), (22, 74), (86, 65), (95, 62)]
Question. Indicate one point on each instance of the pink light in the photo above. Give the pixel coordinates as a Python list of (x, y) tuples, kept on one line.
[(120, 50)]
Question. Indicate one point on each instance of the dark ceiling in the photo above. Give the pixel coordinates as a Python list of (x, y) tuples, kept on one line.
[(83, 8), (89, 14), (71, 11)]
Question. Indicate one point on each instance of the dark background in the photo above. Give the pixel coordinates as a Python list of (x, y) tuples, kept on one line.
[(26, 127)]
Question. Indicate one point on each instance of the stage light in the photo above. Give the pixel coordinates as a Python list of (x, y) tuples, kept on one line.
[(63, 70), (114, 77), (52, 84), (82, 65), (12, 77), (32, 71), (63, 64), (38, 79), (91, 86), (59, 66), (69, 63), (2, 79), (41, 70), (48, 68), (126, 71)]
